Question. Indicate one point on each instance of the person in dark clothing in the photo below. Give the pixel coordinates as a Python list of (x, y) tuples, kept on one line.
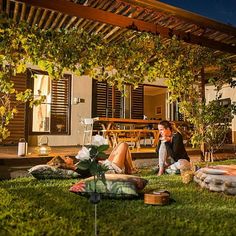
[(170, 146)]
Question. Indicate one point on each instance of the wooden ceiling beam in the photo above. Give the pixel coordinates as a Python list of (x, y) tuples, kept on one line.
[(1, 5), (190, 17), (73, 9)]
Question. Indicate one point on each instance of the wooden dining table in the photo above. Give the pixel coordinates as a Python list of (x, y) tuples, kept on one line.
[(114, 134), (108, 123)]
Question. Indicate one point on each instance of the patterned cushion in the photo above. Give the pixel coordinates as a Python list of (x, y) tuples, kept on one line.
[(50, 172), (117, 186)]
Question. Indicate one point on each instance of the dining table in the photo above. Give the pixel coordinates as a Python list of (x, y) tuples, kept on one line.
[(123, 129), (108, 123)]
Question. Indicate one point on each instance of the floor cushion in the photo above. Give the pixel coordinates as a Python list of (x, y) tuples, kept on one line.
[(117, 186), (50, 172)]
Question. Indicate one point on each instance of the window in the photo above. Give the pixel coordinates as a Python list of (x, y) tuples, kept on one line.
[(226, 102), (53, 115)]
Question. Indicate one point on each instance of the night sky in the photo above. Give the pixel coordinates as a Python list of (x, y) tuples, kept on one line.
[(220, 10)]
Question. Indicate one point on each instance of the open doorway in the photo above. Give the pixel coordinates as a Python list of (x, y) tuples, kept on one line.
[(155, 102)]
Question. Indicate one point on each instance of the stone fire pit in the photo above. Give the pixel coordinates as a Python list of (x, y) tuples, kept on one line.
[(221, 178)]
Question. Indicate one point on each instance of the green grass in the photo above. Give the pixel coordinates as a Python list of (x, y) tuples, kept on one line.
[(32, 207)]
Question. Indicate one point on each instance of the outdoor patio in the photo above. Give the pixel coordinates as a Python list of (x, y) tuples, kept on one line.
[(12, 166)]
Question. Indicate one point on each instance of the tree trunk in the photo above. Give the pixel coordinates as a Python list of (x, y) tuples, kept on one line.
[(202, 92)]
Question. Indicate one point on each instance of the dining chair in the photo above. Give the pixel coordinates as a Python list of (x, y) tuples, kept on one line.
[(88, 131)]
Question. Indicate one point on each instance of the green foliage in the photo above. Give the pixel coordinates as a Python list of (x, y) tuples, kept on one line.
[(46, 207), (74, 50), (182, 66), (132, 60), (215, 119), (91, 161)]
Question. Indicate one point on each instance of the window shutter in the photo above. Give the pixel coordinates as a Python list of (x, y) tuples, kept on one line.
[(17, 126), (60, 105), (137, 103), (117, 103), (102, 99), (106, 98)]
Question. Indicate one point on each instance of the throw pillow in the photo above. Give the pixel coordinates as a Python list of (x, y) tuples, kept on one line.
[(116, 186), (50, 172)]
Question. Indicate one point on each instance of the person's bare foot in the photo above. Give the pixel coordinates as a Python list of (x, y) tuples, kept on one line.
[(161, 171)]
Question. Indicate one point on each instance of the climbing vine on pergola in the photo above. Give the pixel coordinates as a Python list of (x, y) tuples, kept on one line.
[(133, 60)]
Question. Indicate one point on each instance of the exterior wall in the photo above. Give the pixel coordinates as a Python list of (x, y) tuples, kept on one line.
[(227, 92), (81, 88), (158, 82)]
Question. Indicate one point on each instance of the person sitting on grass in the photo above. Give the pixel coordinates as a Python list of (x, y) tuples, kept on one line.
[(171, 148)]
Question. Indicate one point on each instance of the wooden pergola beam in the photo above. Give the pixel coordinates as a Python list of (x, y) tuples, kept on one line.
[(94, 14), (194, 18), (1, 3)]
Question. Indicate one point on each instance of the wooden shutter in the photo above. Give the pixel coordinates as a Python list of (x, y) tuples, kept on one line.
[(137, 103), (17, 126), (60, 105), (106, 100), (102, 99), (117, 106)]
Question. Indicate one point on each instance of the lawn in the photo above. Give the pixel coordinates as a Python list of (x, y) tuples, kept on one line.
[(32, 207)]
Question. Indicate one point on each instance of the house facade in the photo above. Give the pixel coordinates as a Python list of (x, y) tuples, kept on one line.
[(75, 98), (68, 102)]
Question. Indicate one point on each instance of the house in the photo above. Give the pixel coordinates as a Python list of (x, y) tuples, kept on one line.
[(60, 117)]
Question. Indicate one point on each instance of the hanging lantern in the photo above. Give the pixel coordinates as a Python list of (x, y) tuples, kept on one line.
[(43, 149)]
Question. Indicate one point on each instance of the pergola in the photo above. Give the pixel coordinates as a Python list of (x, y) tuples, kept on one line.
[(114, 18)]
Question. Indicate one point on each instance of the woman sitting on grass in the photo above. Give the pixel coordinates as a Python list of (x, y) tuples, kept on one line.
[(171, 148)]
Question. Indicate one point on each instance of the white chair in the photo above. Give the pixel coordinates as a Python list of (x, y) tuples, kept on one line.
[(88, 131)]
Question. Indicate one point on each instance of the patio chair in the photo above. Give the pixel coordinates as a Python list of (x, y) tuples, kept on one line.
[(88, 131)]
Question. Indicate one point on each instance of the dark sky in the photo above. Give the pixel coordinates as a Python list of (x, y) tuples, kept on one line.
[(220, 10)]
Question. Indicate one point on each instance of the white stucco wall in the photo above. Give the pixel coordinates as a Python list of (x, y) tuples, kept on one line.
[(158, 82), (82, 88)]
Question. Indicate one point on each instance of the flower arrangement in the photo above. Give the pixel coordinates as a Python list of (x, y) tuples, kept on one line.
[(89, 157)]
